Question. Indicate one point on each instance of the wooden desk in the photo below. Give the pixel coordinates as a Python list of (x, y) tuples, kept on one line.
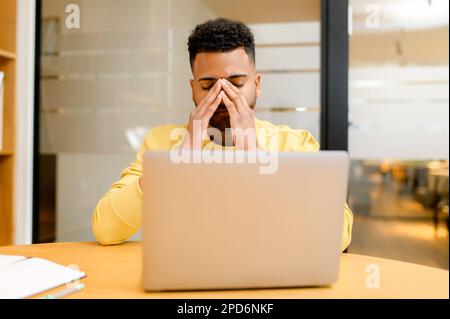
[(115, 272)]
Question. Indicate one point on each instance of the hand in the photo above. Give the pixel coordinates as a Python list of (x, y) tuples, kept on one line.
[(242, 117), (200, 116)]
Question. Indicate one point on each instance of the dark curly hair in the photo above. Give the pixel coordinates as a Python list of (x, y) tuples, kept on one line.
[(221, 35)]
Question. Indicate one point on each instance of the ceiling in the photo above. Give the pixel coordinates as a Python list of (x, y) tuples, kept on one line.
[(402, 32), (266, 11), (392, 14), (399, 14), (408, 31)]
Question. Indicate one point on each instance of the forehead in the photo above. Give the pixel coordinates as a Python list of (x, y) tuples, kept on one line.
[(221, 64)]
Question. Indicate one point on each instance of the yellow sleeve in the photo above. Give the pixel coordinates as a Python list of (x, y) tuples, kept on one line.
[(118, 214), (347, 228)]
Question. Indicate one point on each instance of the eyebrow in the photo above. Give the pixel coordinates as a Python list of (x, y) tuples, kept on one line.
[(229, 78)]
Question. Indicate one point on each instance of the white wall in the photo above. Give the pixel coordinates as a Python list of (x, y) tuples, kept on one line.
[(120, 71), (288, 58), (127, 66), (24, 122)]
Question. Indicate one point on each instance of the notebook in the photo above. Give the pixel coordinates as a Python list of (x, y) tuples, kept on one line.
[(22, 277)]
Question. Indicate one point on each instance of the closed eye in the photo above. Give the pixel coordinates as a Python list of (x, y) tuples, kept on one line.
[(209, 87)]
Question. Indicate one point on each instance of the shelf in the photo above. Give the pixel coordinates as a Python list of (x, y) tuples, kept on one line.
[(8, 60), (7, 54)]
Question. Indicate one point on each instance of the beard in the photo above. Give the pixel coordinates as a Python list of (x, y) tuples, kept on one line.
[(221, 121)]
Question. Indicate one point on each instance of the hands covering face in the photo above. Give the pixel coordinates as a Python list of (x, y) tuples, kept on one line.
[(241, 116)]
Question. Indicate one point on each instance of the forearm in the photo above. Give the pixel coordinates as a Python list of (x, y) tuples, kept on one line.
[(118, 214)]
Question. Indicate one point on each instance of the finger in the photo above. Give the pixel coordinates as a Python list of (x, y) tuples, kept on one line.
[(210, 97), (244, 103), (245, 106), (213, 107), (230, 106), (233, 95)]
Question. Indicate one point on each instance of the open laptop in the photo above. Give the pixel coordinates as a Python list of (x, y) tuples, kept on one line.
[(230, 226)]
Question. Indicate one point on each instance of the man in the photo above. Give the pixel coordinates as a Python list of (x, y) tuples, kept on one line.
[(225, 86)]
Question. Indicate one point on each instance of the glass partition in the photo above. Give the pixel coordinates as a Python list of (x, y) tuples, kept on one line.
[(126, 69), (399, 129)]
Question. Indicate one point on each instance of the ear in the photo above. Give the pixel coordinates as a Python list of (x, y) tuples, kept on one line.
[(258, 84)]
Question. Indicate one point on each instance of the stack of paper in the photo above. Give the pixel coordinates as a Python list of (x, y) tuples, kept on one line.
[(22, 277)]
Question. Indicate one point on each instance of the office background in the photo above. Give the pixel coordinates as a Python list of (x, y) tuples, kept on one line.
[(126, 69)]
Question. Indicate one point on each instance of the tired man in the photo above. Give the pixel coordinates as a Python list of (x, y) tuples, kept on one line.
[(225, 86)]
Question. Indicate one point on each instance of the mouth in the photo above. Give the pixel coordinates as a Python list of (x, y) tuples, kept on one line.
[(221, 112)]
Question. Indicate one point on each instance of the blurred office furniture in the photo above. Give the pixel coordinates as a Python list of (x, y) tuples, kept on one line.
[(429, 185), (7, 152), (438, 188), (363, 179), (426, 180)]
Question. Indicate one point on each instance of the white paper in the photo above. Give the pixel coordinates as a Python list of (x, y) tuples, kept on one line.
[(7, 259), (30, 276)]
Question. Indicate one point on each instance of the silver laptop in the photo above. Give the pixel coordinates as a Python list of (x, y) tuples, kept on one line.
[(229, 225)]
